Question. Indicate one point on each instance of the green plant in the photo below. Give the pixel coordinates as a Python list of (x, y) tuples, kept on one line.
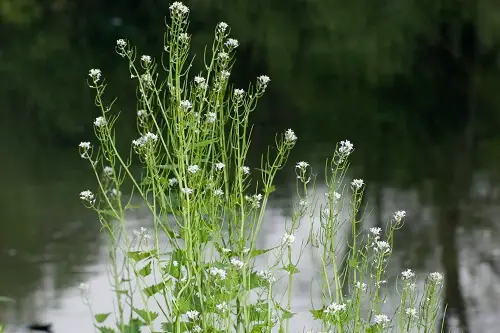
[(194, 136)]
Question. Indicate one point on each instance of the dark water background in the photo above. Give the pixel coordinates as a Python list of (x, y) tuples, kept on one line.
[(413, 84)]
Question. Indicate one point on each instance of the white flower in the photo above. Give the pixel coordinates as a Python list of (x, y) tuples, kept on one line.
[(436, 277), (266, 275), (141, 113), (172, 181), (84, 145), (225, 74), (334, 308), (263, 81), (218, 192), (100, 122), (193, 169), (217, 272), (84, 287), (178, 8), (184, 37), (114, 192), (254, 200), (146, 59), (87, 196), (147, 79), (186, 190), (186, 105), (225, 250), (237, 263), (95, 74), (211, 117), (380, 319), (303, 203), (411, 312), (287, 239), (222, 307), (197, 329), (222, 26), (245, 170), (357, 184), (145, 139), (193, 314), (238, 93), (382, 246), (301, 165), (246, 250), (346, 148), (407, 274), (232, 43), (223, 56), (199, 79), (375, 231), (175, 263), (399, 215), (361, 286), (108, 170), (142, 233), (219, 166), (290, 136), (121, 43), (410, 286)]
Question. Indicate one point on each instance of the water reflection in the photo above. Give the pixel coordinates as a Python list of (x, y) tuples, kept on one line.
[(49, 244)]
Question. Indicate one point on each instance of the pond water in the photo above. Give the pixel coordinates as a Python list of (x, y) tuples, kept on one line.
[(50, 244)]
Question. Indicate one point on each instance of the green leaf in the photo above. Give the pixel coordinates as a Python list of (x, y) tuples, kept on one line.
[(134, 327), (317, 314), (146, 270), (287, 315), (258, 328), (270, 189), (140, 255), (172, 327), (101, 317), (104, 329), (257, 252), (152, 290), (292, 269), (147, 316)]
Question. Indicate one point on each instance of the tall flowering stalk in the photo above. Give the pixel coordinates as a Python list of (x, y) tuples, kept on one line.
[(193, 136)]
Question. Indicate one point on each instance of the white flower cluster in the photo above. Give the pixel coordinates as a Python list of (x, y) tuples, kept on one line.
[(218, 272), (95, 74), (143, 233), (245, 170), (361, 286), (239, 93), (121, 43), (200, 82), (382, 247), (146, 59), (266, 275), (100, 122), (232, 43), (262, 82), (407, 274), (357, 184), (186, 105), (381, 319), (145, 139), (222, 307), (179, 8), (290, 136), (301, 165), (399, 215), (254, 200), (193, 168), (237, 263), (287, 239), (211, 117), (334, 308), (84, 149), (87, 196), (193, 314), (436, 277)]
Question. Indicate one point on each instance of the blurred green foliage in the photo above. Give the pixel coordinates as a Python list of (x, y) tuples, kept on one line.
[(406, 74)]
